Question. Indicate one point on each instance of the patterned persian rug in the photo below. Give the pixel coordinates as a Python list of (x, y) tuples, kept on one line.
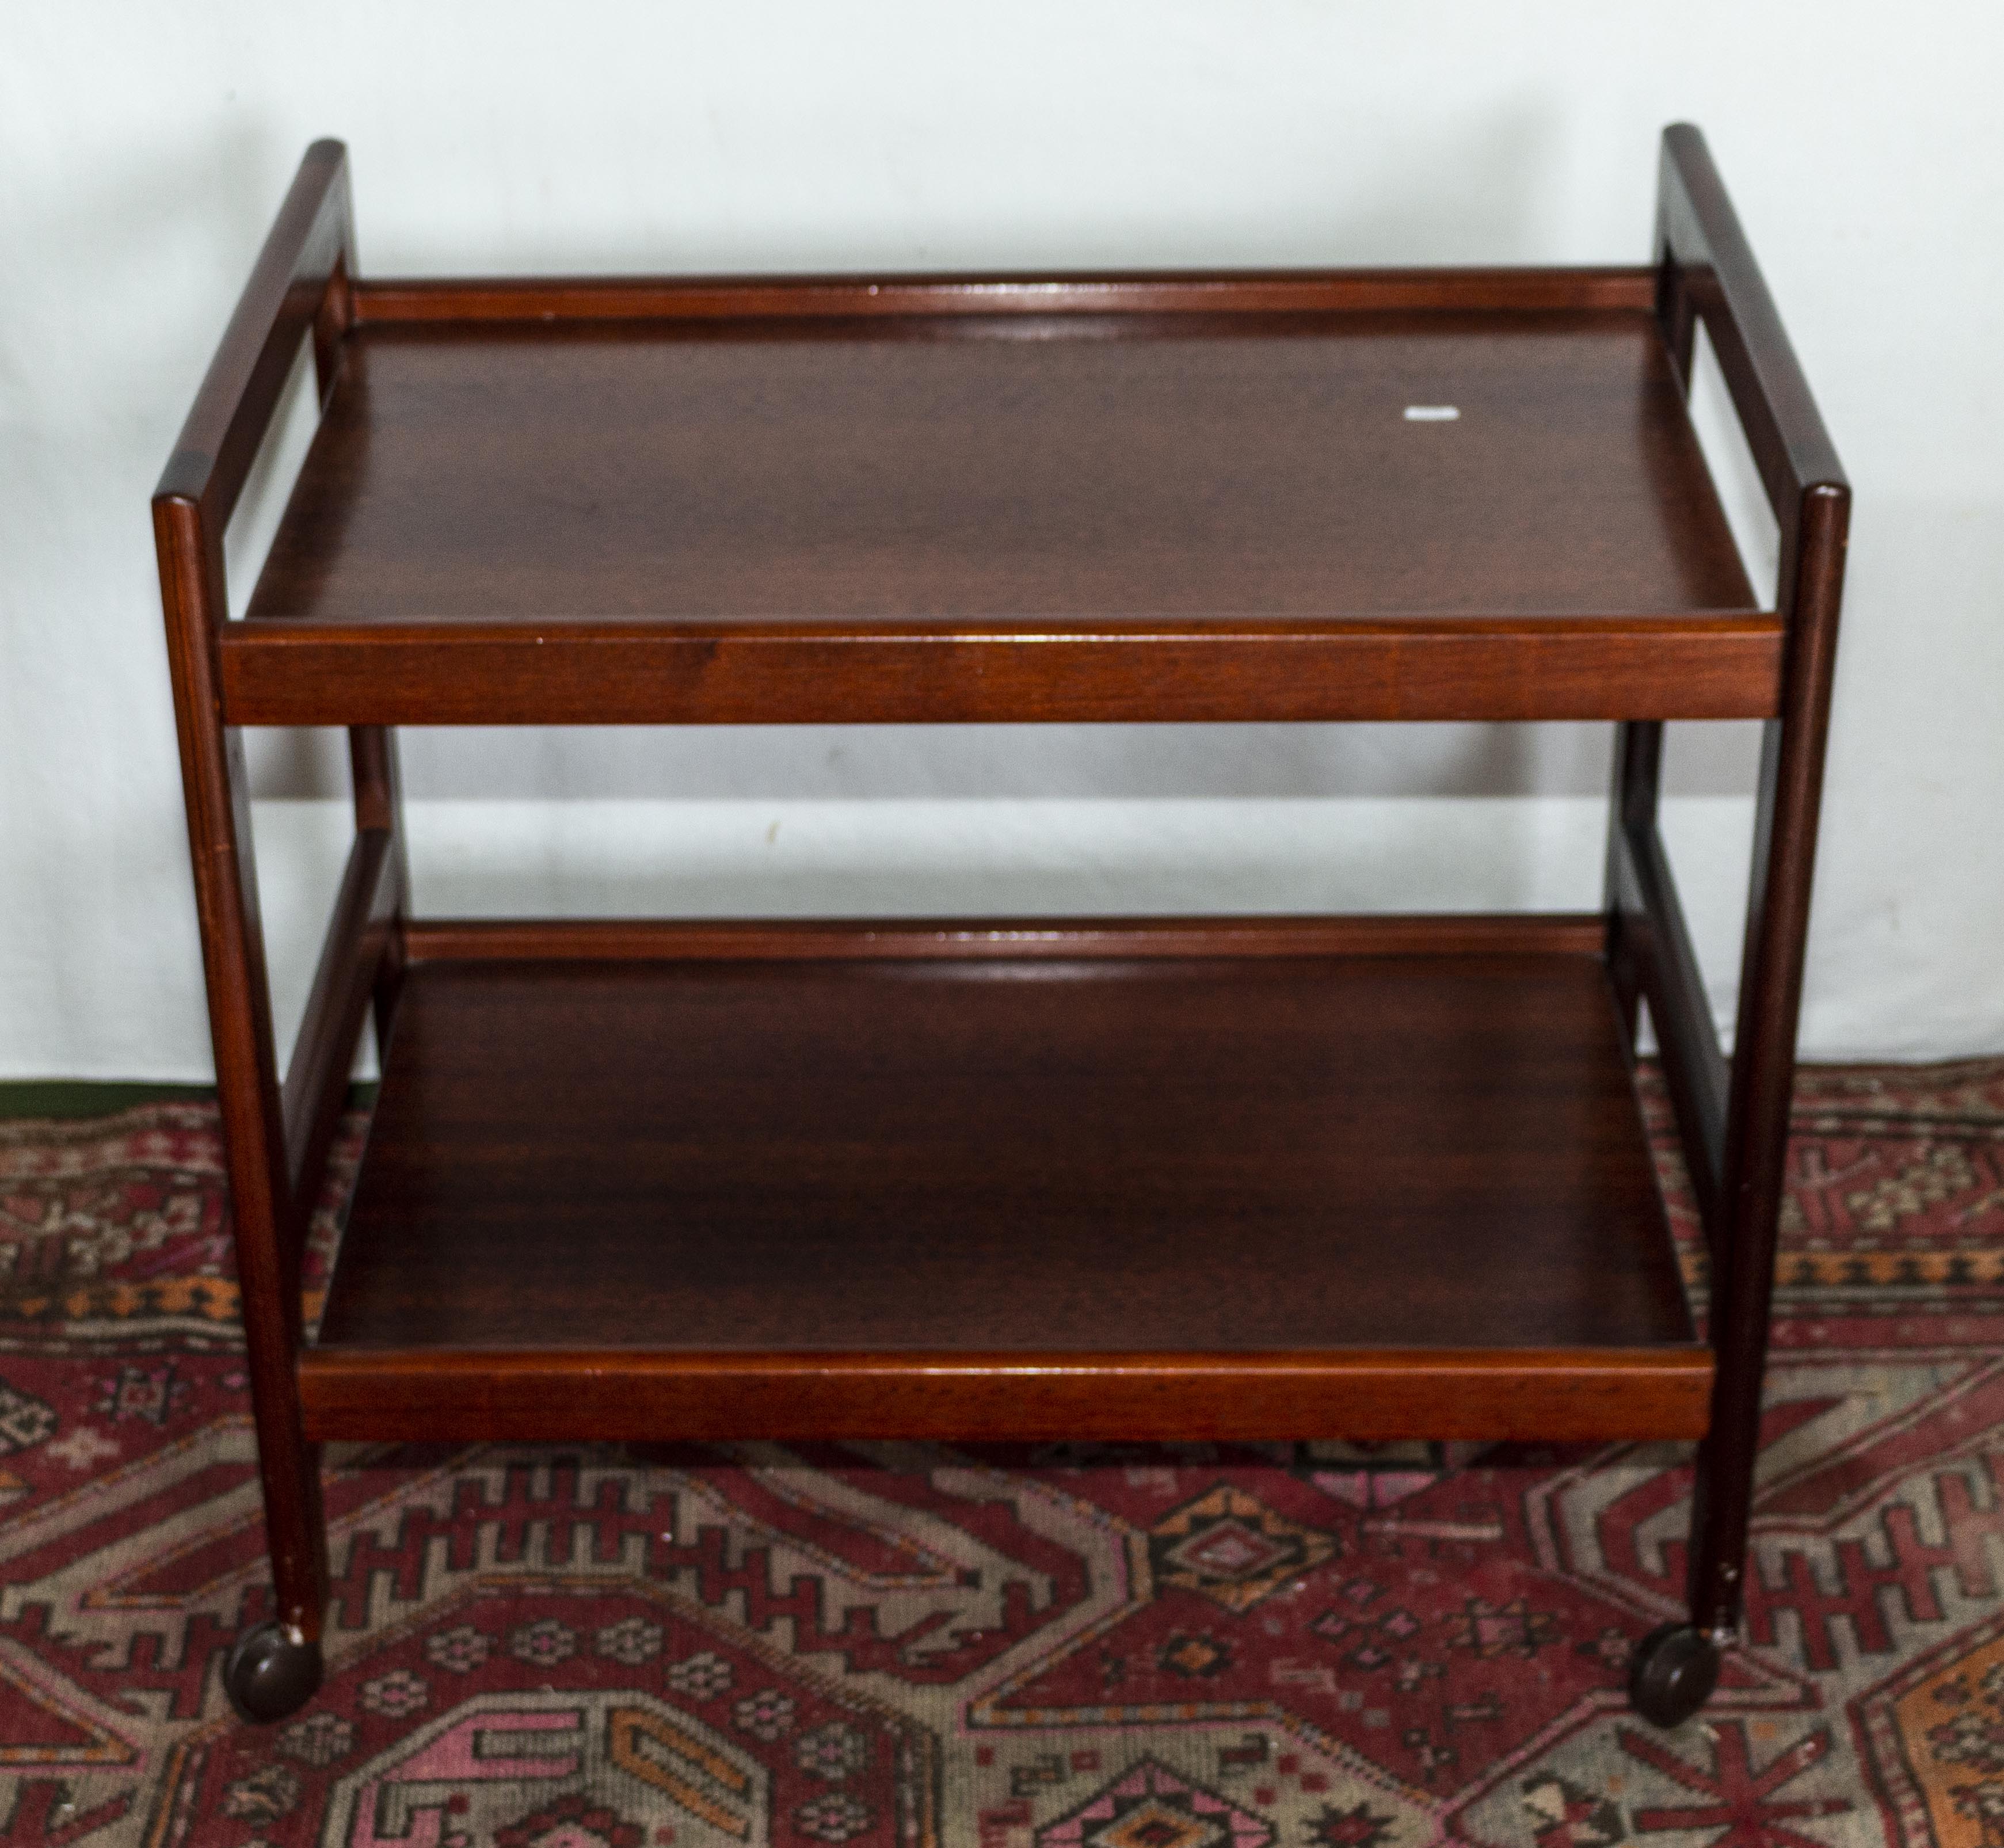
[(1104, 1647)]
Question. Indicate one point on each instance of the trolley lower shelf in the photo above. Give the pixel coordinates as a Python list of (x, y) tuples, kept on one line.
[(1280, 1179)]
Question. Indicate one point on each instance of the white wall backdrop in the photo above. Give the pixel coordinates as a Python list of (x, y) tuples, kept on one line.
[(143, 150)]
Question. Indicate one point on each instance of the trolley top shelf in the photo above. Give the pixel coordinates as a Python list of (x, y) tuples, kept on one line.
[(1054, 472), (1328, 495)]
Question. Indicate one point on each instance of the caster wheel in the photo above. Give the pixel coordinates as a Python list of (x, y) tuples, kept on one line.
[(1674, 1672), (270, 1673)]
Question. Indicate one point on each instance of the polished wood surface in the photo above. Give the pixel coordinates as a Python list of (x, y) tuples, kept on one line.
[(1707, 272), (799, 517), (379, 806), (1000, 1156), (345, 980), (1651, 955), (404, 302), (1065, 473), (956, 1396), (304, 261), (1754, 1163), (268, 1230), (288, 672), (1071, 939)]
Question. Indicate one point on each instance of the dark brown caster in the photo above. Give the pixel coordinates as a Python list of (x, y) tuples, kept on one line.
[(1675, 1669), (272, 1671)]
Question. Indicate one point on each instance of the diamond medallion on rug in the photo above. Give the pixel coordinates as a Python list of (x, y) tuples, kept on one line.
[(1231, 1548)]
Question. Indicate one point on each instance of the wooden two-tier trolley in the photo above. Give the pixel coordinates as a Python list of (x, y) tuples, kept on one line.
[(1223, 1177)]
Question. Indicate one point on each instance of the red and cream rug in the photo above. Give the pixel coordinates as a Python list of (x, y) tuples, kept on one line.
[(1097, 1647)]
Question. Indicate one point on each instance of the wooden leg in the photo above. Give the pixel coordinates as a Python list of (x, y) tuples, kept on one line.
[(1757, 1130), (379, 803), (1638, 757), (269, 1224), (1755, 1164)]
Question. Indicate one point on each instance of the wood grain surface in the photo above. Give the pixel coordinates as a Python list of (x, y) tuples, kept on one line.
[(996, 1155), (304, 672), (1069, 939), (407, 301), (959, 1397), (1065, 469)]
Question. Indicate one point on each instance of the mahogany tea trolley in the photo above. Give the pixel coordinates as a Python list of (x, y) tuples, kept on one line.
[(1196, 1178)]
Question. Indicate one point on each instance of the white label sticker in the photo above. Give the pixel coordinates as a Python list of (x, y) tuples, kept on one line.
[(1432, 413)]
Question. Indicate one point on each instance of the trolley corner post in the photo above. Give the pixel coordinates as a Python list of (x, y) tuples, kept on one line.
[(275, 1132), (1737, 1145)]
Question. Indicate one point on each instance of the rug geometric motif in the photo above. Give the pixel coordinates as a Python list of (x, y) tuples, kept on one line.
[(1064, 1647), (1232, 1547), (1148, 1806)]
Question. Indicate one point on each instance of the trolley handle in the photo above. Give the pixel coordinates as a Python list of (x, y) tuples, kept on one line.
[(300, 284)]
